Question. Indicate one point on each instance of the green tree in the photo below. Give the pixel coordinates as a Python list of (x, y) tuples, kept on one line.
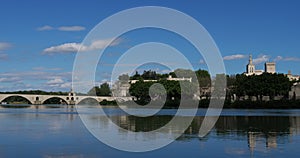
[(183, 73), (149, 75), (93, 91), (136, 76), (203, 77), (220, 85), (140, 90), (103, 90), (262, 85)]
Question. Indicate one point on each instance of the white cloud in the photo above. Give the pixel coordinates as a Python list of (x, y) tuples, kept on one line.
[(58, 83), (278, 58), (37, 75), (66, 85), (40, 68), (202, 61), (9, 79), (45, 28), (3, 56), (61, 28), (291, 59), (71, 28), (261, 59), (42, 80), (16, 86), (234, 57), (75, 47), (64, 48), (4, 46), (55, 81)]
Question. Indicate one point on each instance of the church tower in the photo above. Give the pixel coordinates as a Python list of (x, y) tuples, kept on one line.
[(270, 67), (250, 69)]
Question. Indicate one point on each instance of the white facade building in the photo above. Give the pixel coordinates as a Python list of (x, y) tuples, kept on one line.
[(293, 77), (250, 68), (170, 78), (270, 67)]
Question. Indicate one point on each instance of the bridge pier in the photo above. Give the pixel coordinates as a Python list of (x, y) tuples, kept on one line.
[(37, 102), (72, 102)]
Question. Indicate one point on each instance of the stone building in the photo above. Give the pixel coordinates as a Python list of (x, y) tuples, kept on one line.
[(270, 67), (295, 91), (292, 77), (170, 78), (250, 68)]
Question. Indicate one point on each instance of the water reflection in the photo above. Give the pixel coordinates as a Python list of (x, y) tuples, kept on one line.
[(58, 132), (259, 131)]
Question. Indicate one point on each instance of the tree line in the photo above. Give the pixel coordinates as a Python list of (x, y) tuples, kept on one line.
[(257, 86), (39, 92), (239, 85)]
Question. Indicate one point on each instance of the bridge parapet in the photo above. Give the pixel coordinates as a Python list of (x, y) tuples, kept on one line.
[(68, 99)]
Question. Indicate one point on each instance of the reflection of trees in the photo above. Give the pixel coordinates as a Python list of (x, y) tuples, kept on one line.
[(140, 124), (243, 124), (237, 125), (271, 129), (263, 131), (268, 128)]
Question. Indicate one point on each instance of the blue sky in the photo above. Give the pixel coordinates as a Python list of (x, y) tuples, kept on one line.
[(38, 39)]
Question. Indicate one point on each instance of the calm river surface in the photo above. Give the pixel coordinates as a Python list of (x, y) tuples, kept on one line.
[(58, 132)]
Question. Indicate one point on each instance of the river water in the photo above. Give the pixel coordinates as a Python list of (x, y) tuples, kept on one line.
[(47, 131)]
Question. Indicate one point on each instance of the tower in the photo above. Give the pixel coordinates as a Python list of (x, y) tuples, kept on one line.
[(250, 69), (270, 67), (71, 97)]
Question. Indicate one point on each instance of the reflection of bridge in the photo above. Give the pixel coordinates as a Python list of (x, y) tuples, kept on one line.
[(69, 99)]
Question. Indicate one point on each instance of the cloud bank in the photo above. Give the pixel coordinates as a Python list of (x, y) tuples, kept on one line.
[(261, 59), (4, 46), (49, 81), (71, 28), (61, 28), (234, 57), (280, 58), (78, 47)]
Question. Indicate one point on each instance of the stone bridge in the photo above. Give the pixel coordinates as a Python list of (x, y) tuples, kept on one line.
[(70, 99)]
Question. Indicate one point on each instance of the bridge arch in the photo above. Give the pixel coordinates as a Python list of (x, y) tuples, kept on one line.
[(30, 101), (86, 99), (53, 97)]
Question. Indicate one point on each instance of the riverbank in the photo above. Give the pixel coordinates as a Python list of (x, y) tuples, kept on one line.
[(174, 104), (248, 104), (274, 104), (245, 104)]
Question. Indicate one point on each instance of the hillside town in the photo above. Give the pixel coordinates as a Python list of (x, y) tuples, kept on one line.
[(270, 67), (234, 82)]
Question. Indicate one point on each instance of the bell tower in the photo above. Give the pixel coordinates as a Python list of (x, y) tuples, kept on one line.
[(250, 69)]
